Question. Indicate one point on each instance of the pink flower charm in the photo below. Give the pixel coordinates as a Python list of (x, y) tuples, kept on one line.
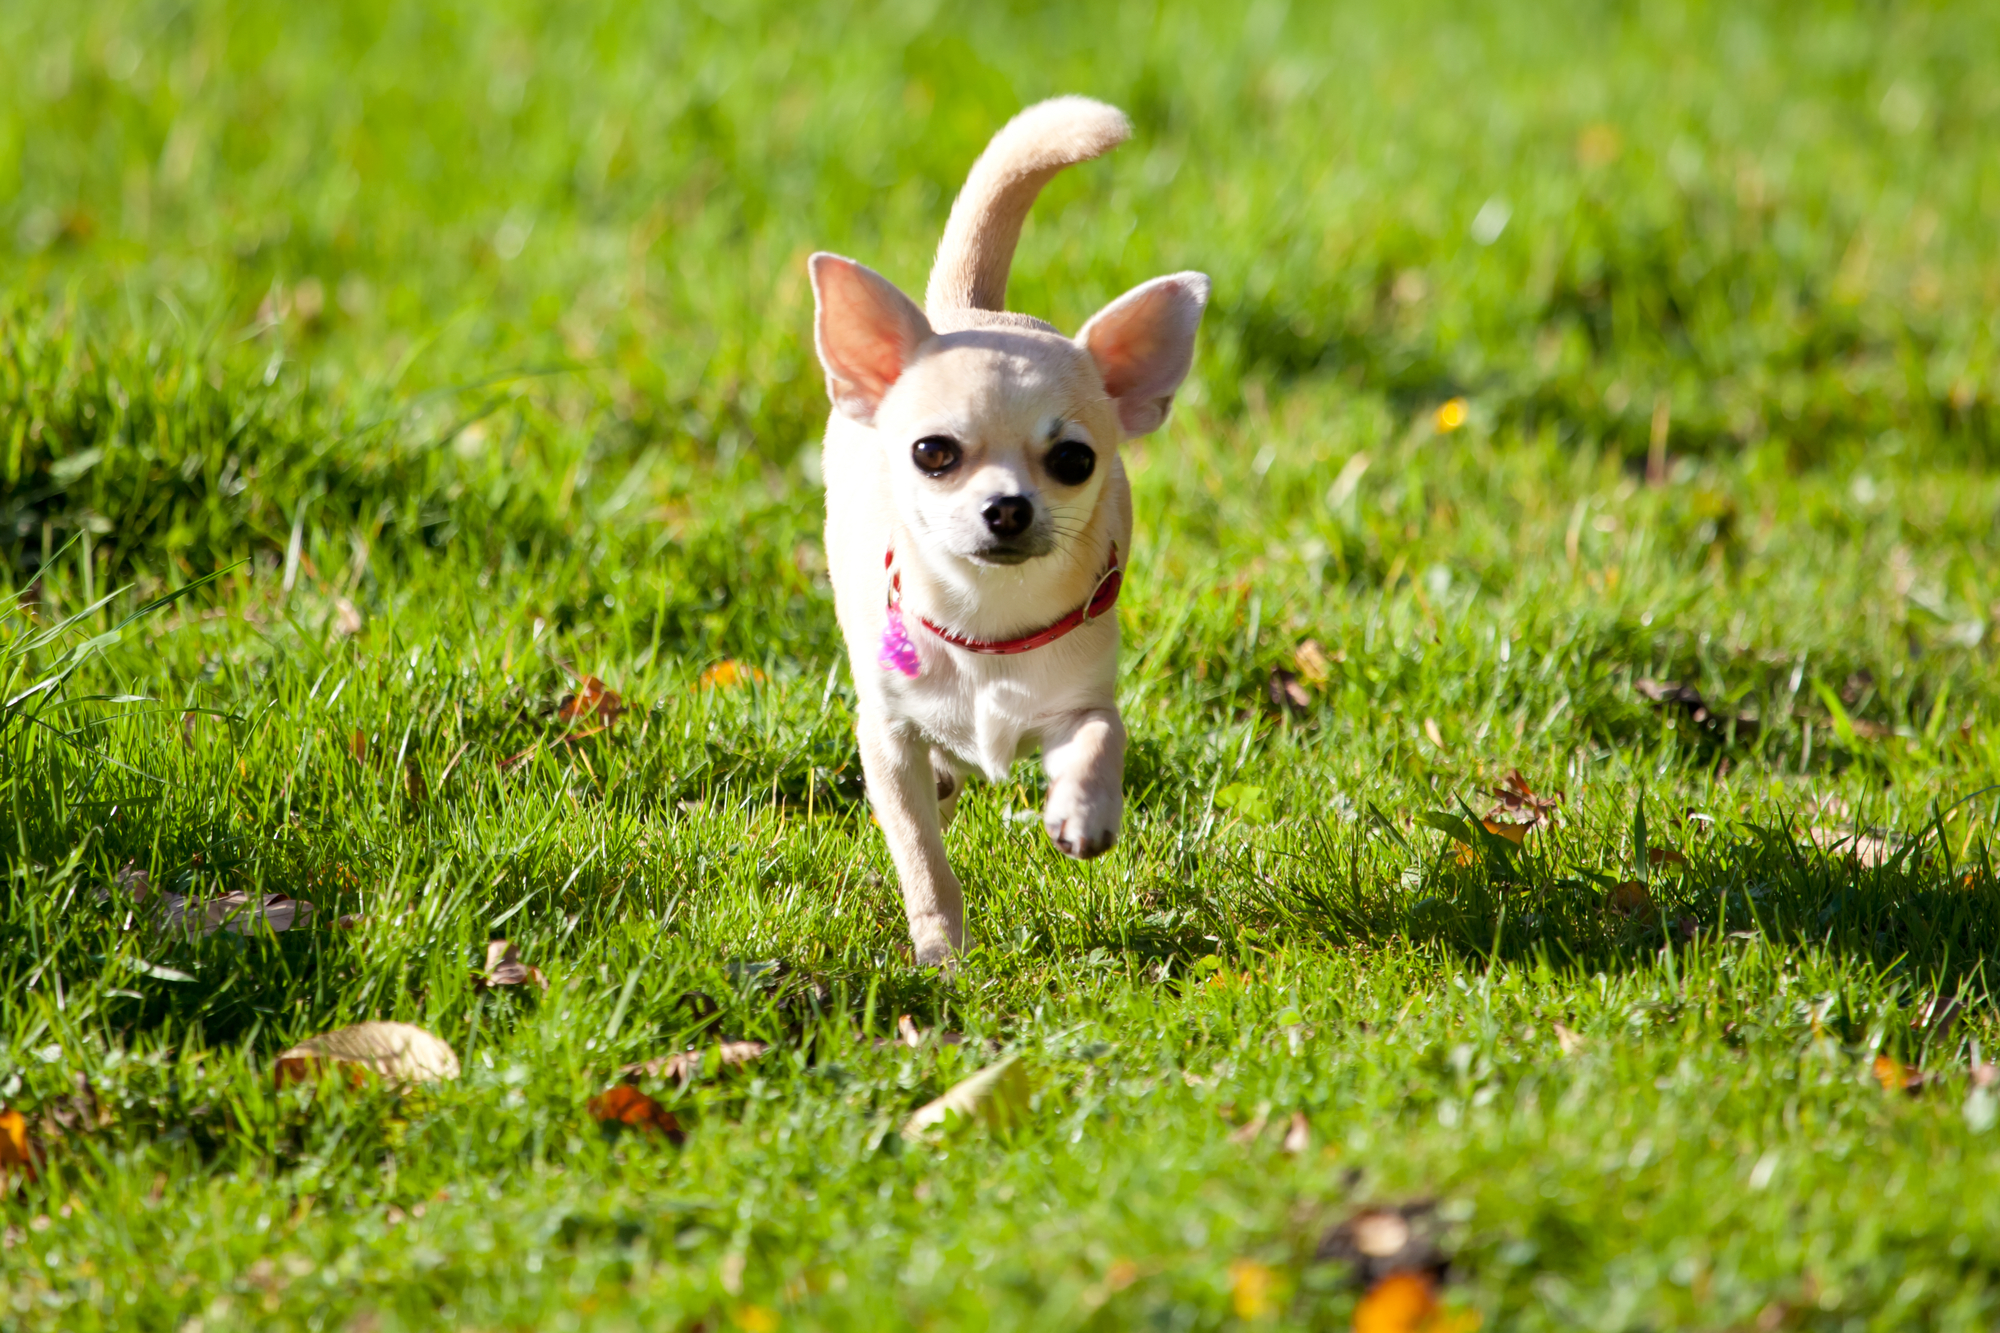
[(897, 653)]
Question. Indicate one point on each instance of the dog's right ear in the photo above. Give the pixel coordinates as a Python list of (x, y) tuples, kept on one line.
[(867, 333)]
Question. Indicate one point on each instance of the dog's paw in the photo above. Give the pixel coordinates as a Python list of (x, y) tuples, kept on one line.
[(933, 942), (1080, 825)]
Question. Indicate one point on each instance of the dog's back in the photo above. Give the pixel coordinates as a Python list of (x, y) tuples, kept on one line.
[(968, 286)]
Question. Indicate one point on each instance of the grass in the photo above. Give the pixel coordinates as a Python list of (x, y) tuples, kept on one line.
[(371, 374)]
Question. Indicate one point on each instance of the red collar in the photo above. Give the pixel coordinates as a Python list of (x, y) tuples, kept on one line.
[(1102, 598)]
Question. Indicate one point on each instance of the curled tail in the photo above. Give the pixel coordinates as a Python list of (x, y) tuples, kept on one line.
[(978, 245)]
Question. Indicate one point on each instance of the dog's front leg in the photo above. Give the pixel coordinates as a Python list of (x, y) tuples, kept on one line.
[(1084, 754), (904, 792)]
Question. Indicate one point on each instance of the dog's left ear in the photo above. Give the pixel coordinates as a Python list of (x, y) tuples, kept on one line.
[(867, 332), (1143, 344)]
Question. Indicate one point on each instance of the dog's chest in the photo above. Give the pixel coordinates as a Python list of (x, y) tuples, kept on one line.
[(989, 711)]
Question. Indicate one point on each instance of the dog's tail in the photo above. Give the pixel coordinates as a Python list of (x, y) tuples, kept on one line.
[(978, 245)]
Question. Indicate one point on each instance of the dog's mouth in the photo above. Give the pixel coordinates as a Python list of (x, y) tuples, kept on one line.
[(1009, 553)]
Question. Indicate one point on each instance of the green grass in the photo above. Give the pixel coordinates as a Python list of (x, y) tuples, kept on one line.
[(467, 346)]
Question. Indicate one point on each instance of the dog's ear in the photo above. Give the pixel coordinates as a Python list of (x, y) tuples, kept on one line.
[(867, 333), (1143, 344)]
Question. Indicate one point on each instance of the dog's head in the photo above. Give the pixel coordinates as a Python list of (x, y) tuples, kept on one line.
[(999, 437)]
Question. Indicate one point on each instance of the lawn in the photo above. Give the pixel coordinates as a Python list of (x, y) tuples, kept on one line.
[(410, 504)]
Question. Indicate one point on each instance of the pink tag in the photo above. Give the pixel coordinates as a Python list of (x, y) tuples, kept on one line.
[(897, 653)]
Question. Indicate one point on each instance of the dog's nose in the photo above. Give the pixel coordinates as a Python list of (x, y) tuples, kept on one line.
[(1008, 515)]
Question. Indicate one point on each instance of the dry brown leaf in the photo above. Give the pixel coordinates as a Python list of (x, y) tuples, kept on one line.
[(627, 1106), (1383, 1240), (357, 745), (684, 1066), (1671, 695), (505, 968), (1431, 730), (349, 921), (591, 699), (728, 674), (1515, 796), (1628, 899), (1247, 1133), (1285, 692), (1661, 856), (18, 1152), (235, 911), (133, 881), (909, 1034), (397, 1053)]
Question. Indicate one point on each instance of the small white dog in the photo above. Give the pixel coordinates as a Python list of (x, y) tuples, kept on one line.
[(977, 514)]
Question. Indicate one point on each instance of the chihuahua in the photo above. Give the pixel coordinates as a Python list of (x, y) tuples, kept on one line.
[(978, 515)]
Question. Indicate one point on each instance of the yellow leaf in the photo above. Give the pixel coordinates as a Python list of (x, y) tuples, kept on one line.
[(400, 1053), (997, 1095), (1514, 833), (1252, 1288)]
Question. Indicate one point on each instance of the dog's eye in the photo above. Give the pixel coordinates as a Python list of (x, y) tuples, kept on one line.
[(1072, 462), (935, 454)]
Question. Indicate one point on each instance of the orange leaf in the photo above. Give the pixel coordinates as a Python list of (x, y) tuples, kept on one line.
[(1407, 1303), (1514, 833), (16, 1150), (727, 674), (1629, 899), (626, 1105), (1895, 1076), (590, 698)]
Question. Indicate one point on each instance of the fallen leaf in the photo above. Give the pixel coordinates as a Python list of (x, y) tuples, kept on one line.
[(1383, 1240), (755, 1318), (1895, 1076), (627, 1106), (235, 911), (1672, 696), (1517, 797), (18, 1152), (349, 921), (1252, 1288), (590, 700), (1408, 1303), (728, 674), (997, 1096), (1864, 849), (133, 881), (1628, 899), (1298, 1137), (1285, 692), (1247, 1133), (909, 1034), (1661, 856), (505, 968), (685, 1066), (1312, 662), (398, 1053), (357, 745), (1431, 730), (1514, 833), (1570, 1042)]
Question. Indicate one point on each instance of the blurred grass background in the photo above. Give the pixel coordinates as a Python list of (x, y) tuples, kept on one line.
[(478, 334)]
